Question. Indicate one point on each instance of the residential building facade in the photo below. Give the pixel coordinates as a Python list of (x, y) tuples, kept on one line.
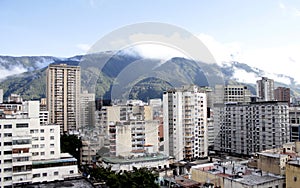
[(185, 123), (63, 94), (246, 128)]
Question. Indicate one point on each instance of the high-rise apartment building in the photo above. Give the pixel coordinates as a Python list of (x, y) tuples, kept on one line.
[(185, 123), (246, 128), (232, 93), (63, 94), (282, 94), (265, 89), (87, 109)]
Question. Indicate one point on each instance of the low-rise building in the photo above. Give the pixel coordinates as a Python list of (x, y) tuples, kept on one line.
[(293, 174), (158, 161)]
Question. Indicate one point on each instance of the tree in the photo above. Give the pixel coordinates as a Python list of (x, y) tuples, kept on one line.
[(71, 144), (138, 178)]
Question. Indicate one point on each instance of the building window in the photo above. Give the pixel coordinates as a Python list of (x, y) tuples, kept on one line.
[(7, 178), (52, 152), (51, 130), (44, 174), (7, 135), (51, 137), (52, 145), (35, 146), (35, 153), (42, 153), (7, 169), (56, 173), (295, 178), (71, 171), (42, 138), (7, 126), (42, 145), (42, 130), (7, 143), (36, 175), (22, 125), (8, 161), (7, 152)]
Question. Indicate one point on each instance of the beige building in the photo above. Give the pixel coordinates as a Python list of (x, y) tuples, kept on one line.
[(133, 138), (293, 174), (272, 162), (63, 94), (232, 174)]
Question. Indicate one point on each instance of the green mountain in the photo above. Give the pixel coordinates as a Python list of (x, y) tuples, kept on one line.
[(120, 75)]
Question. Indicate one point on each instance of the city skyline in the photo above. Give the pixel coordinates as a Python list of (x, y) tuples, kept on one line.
[(261, 34)]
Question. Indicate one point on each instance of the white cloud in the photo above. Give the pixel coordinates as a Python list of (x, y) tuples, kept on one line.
[(157, 51), (280, 60), (221, 51), (245, 77), (13, 71), (83, 47), (282, 6), (289, 9)]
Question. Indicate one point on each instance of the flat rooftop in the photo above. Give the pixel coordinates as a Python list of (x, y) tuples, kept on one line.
[(256, 179), (76, 183), (119, 160), (51, 161)]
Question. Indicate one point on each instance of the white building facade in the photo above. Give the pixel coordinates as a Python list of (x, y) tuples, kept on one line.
[(31, 152), (185, 123)]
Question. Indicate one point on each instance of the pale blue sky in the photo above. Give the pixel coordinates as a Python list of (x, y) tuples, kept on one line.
[(58, 27)]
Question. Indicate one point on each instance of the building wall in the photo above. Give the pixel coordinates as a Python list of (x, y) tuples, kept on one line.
[(151, 134), (273, 164), (292, 175), (53, 173), (141, 164), (204, 176)]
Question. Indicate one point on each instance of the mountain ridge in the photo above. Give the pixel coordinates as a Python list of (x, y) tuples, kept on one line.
[(31, 83)]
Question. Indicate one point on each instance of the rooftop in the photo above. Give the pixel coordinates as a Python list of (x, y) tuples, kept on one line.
[(128, 160), (76, 183), (256, 179)]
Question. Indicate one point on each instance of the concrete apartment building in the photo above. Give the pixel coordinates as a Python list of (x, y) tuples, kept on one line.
[(30, 152), (224, 94), (63, 96), (185, 123), (247, 128), (265, 89), (294, 115), (87, 109), (133, 138), (282, 94), (231, 93)]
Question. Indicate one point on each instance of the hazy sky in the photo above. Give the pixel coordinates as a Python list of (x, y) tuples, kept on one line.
[(263, 33)]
